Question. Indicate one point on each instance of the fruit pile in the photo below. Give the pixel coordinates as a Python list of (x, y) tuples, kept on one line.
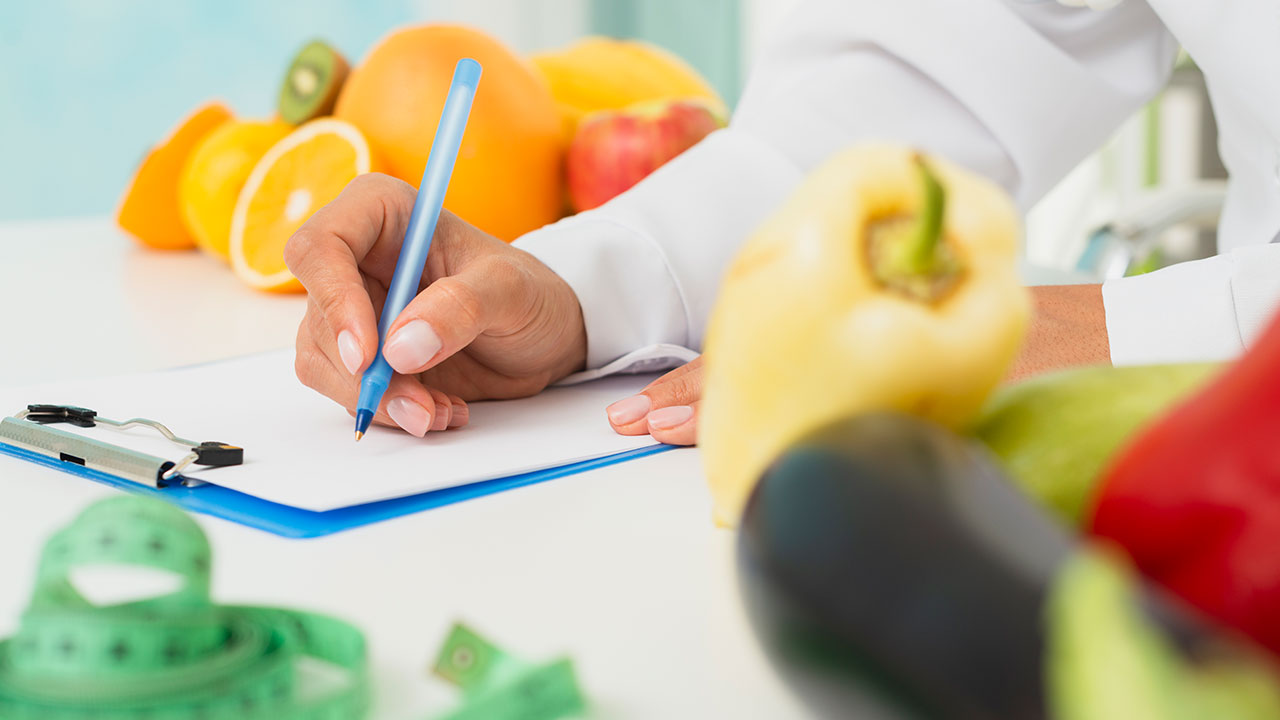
[(238, 188)]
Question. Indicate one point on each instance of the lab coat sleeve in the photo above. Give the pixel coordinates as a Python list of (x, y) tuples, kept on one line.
[(1204, 310), (1017, 91)]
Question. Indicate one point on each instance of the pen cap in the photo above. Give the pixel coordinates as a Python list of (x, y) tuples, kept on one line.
[(466, 72)]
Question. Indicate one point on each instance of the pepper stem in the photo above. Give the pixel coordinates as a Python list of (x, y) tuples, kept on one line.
[(922, 245), (907, 253)]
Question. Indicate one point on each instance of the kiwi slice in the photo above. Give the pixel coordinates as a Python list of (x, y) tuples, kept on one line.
[(312, 83)]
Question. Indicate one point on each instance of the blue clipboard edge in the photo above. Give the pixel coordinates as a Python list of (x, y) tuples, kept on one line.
[(291, 522)]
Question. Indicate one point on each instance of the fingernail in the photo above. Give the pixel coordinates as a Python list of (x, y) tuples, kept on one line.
[(349, 351), (669, 417), (412, 346), (441, 419), (628, 410), (461, 414), (409, 415)]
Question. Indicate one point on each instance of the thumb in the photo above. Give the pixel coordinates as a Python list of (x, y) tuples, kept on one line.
[(449, 314)]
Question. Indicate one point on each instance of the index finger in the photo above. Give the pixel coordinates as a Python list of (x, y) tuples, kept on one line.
[(364, 222)]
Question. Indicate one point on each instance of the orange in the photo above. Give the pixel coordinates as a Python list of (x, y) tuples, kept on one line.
[(507, 180), (296, 177), (215, 172), (149, 210), (598, 73)]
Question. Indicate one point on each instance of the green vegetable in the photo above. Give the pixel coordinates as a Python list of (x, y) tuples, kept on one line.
[(1056, 433), (1111, 657)]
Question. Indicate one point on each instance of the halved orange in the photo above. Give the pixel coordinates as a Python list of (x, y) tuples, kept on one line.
[(215, 173), (297, 176), (149, 210)]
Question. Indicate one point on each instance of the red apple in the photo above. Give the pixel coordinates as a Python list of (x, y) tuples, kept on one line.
[(615, 149)]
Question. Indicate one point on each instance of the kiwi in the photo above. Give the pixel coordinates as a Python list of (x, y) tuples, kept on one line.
[(312, 83)]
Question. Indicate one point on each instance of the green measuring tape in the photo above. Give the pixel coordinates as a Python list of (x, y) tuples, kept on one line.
[(178, 656), (497, 686), (173, 657)]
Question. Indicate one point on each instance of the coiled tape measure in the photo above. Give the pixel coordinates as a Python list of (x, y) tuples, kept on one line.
[(172, 657), (181, 657)]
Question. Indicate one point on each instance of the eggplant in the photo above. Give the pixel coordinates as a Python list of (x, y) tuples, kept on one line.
[(885, 557)]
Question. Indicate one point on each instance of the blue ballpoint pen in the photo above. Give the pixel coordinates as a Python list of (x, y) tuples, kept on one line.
[(422, 226)]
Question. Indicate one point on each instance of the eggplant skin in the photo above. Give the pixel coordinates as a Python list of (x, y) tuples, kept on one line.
[(890, 570)]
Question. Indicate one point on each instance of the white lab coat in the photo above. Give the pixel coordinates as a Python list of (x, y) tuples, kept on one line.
[(1017, 90)]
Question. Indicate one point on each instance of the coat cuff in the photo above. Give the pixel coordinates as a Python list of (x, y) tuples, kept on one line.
[(1182, 313)]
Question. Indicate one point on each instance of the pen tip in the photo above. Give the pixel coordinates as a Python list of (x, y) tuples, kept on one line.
[(363, 419)]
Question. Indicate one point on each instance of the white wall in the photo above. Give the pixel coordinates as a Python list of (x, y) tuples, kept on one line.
[(524, 24), (759, 17)]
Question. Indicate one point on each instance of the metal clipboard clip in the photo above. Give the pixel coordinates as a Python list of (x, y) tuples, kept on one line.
[(32, 429)]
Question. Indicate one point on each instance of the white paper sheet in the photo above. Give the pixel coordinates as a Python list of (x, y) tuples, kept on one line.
[(298, 444)]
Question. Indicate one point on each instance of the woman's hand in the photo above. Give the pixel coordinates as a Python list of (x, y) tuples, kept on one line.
[(489, 321), (667, 408)]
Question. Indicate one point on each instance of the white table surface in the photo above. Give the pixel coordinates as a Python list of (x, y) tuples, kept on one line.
[(620, 567)]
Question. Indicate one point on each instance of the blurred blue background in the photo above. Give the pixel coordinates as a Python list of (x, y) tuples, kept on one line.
[(86, 86)]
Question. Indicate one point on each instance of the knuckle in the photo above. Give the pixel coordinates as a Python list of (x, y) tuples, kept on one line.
[(297, 248), (680, 389), (367, 181), (330, 296), (506, 270), (375, 188), (309, 329), (303, 337), (463, 298), (463, 237), (690, 385), (333, 305), (369, 188), (314, 318), (304, 366), (659, 395), (377, 182)]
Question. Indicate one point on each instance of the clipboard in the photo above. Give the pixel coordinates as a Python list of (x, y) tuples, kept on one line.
[(297, 523), (293, 478)]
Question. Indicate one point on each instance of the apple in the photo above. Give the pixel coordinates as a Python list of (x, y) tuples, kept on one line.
[(615, 149)]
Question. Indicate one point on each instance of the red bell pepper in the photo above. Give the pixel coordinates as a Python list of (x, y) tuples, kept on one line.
[(1195, 498)]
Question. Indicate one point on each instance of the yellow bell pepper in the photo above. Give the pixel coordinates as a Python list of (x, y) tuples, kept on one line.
[(887, 281)]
